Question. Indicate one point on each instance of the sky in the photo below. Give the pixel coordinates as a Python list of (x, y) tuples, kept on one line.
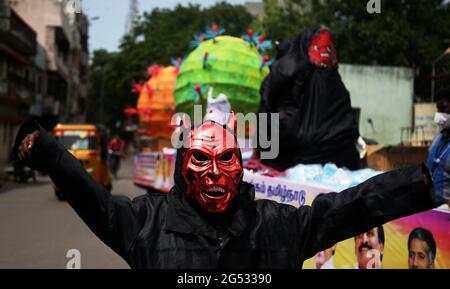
[(108, 29)]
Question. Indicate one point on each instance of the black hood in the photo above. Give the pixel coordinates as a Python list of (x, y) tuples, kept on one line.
[(301, 42), (292, 61), (283, 47)]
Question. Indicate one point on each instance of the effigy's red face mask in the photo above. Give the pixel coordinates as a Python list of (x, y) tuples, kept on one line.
[(322, 50), (212, 168)]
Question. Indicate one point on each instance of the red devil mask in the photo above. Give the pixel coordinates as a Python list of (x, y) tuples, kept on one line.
[(322, 50), (212, 167)]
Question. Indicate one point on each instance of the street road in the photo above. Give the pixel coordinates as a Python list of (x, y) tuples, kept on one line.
[(37, 230)]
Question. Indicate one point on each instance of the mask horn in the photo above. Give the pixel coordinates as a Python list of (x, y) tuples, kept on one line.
[(232, 123)]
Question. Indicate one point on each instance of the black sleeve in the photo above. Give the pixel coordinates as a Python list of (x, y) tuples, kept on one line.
[(116, 221), (334, 217)]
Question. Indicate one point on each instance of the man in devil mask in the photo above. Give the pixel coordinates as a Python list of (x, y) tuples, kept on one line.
[(210, 218), (317, 123)]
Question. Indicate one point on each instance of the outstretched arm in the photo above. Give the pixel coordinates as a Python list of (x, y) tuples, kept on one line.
[(334, 217), (116, 221)]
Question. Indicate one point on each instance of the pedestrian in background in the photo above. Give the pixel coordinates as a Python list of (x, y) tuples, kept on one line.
[(439, 156)]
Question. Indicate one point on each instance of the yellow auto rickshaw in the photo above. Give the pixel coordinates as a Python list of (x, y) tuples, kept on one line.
[(88, 143)]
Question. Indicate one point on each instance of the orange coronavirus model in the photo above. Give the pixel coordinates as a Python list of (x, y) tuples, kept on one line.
[(156, 102)]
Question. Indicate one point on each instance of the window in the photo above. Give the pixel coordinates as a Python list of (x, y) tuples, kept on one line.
[(74, 142)]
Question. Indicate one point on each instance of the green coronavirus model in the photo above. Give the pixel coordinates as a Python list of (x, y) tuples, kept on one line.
[(229, 65)]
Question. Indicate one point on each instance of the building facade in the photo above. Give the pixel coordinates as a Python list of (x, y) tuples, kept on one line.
[(43, 65), (63, 34), (19, 77)]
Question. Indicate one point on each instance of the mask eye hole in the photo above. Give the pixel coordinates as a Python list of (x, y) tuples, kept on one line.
[(226, 157), (200, 157), (316, 47)]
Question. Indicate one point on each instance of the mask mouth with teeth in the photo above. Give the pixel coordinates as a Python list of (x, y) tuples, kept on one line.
[(322, 50), (212, 168)]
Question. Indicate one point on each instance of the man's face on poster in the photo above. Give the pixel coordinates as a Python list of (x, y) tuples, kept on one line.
[(323, 256), (419, 255), (368, 247)]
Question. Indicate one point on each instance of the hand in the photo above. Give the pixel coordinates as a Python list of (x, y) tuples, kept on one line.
[(374, 256), (27, 144)]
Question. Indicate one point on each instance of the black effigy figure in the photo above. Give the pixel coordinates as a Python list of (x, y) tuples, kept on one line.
[(317, 122)]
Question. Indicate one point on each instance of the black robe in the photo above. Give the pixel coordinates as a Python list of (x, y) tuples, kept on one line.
[(317, 122), (165, 231)]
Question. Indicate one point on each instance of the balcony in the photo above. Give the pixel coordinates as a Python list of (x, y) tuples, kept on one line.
[(19, 81), (19, 37)]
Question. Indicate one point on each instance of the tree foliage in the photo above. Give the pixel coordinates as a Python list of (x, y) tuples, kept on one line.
[(410, 33), (405, 33)]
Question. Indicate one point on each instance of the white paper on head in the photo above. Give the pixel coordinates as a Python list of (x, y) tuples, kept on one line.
[(218, 109)]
